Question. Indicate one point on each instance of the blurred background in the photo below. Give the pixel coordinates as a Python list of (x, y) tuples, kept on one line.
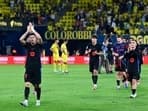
[(75, 20)]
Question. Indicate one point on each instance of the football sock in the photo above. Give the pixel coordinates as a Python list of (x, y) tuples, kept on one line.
[(95, 79), (26, 92), (118, 82), (124, 79), (133, 91), (63, 67), (59, 65), (54, 66), (38, 91), (66, 67)]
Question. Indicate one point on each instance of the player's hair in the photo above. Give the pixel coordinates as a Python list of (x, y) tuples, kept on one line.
[(65, 40), (29, 34), (55, 39), (94, 36), (119, 36), (133, 40)]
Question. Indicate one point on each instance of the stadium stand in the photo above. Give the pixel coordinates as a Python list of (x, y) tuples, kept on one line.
[(123, 15), (105, 18)]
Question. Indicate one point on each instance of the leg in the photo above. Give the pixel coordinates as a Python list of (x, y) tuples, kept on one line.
[(118, 79), (38, 91), (55, 66), (95, 78), (125, 79), (27, 90), (64, 67), (133, 88), (59, 65), (107, 65), (26, 94)]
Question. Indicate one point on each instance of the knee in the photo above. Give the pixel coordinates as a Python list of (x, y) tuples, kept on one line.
[(27, 84), (95, 72), (134, 81)]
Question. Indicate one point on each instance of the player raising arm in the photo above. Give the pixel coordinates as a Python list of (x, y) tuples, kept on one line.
[(32, 41)]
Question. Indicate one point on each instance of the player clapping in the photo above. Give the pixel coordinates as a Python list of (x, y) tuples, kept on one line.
[(32, 41)]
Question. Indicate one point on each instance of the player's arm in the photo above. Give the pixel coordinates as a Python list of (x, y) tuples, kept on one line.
[(114, 51), (99, 50), (23, 37), (52, 47), (63, 49), (99, 53), (121, 57), (126, 55), (88, 50), (38, 36)]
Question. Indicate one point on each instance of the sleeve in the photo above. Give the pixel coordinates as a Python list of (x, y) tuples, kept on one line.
[(126, 55), (100, 47), (139, 49), (52, 47), (26, 45), (40, 46), (63, 48), (87, 47)]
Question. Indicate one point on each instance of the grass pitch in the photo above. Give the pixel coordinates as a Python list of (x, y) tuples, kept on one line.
[(72, 92)]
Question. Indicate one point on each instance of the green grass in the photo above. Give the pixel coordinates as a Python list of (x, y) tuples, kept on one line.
[(71, 92)]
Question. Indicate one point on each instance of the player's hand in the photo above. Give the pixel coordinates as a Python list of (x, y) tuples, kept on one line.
[(32, 27), (89, 50), (130, 48), (121, 57), (115, 54), (94, 53), (28, 28)]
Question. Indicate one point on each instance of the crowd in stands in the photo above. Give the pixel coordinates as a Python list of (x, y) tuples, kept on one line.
[(47, 12), (122, 16), (126, 16), (118, 17)]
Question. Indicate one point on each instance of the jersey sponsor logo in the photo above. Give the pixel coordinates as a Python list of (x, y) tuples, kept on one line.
[(132, 60)]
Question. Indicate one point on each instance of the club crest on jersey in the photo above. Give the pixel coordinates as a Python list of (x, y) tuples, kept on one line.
[(32, 54), (132, 60)]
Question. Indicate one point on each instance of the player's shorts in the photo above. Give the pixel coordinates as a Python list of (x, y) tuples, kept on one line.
[(93, 65), (119, 65), (56, 58), (133, 76), (33, 76), (111, 60), (64, 58)]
